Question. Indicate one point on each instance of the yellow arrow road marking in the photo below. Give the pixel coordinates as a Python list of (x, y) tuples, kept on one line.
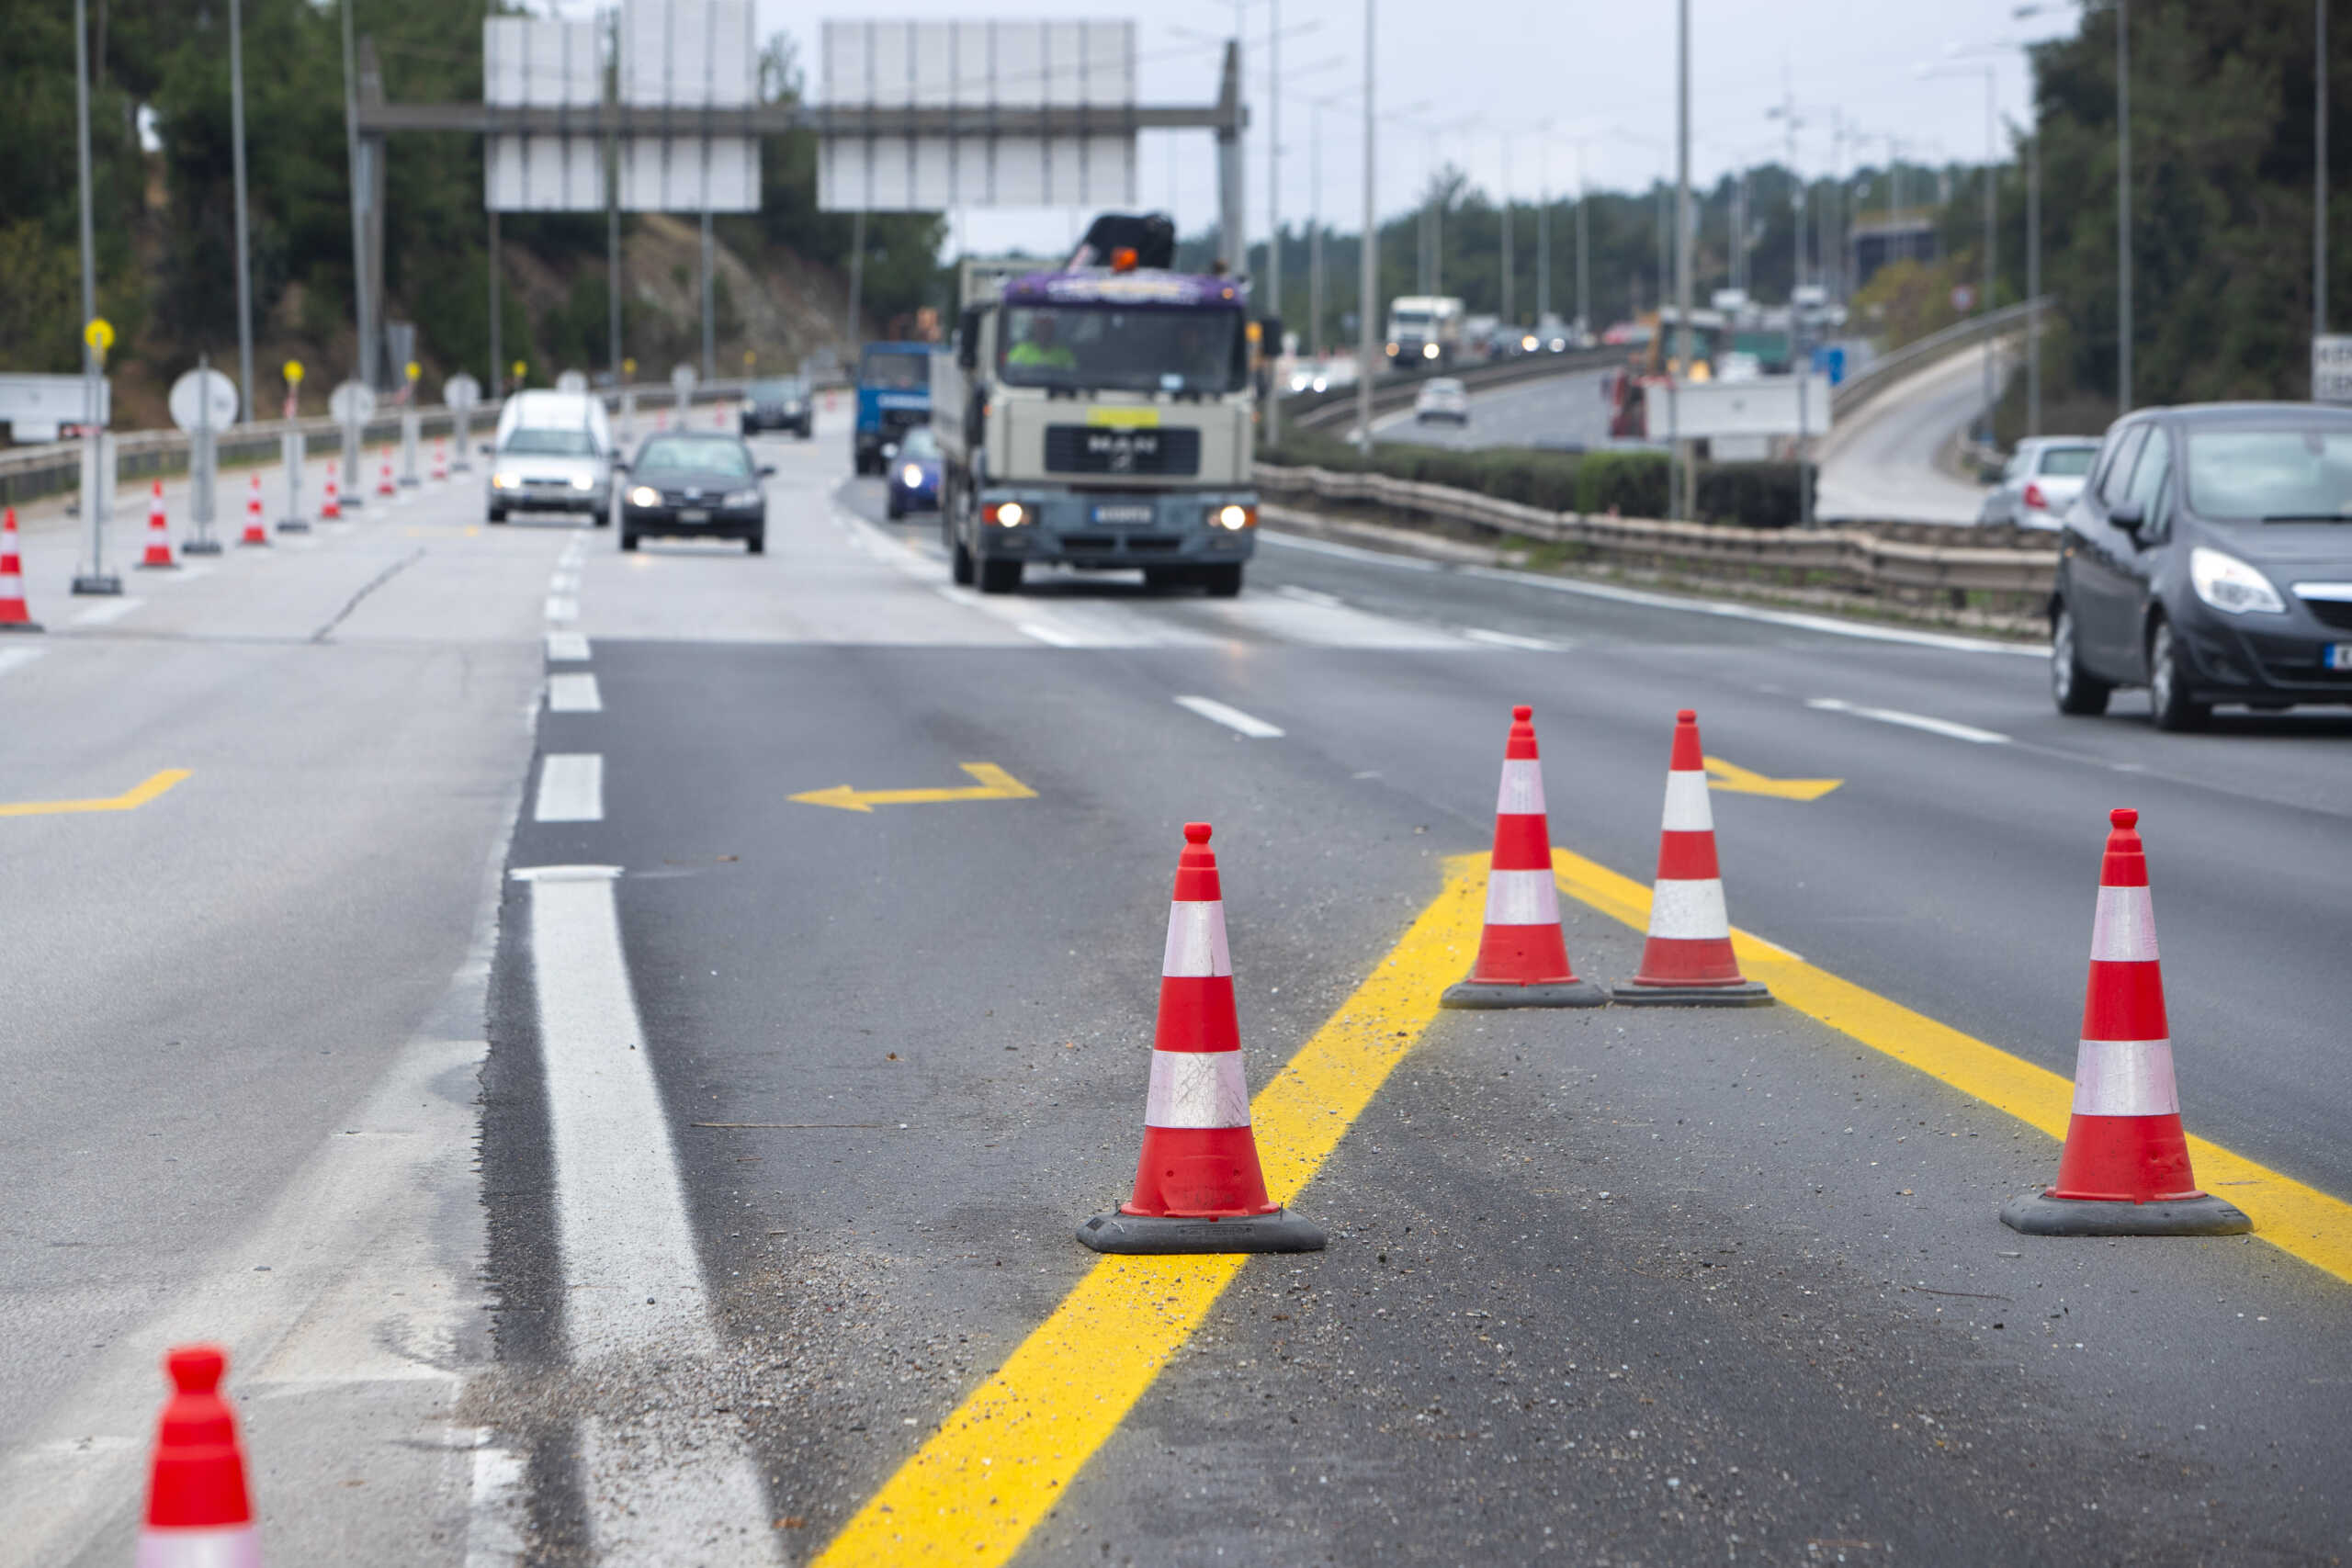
[(129, 800), (1737, 779), (995, 785)]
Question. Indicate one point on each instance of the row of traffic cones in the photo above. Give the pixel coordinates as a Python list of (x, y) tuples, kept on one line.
[(1199, 1187)]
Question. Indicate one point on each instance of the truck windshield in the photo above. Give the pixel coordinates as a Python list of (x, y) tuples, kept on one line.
[(1129, 350), (1411, 318), (895, 372)]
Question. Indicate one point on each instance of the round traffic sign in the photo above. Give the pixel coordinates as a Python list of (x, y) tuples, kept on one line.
[(293, 372), (353, 403), (683, 377), (628, 366), (461, 391), (521, 368), (99, 334), (571, 381), (414, 369), (201, 398), (750, 358), (1964, 299)]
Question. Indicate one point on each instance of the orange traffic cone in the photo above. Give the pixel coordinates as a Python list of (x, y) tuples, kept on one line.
[(159, 532), (254, 533), (198, 1513), (1688, 959), (332, 506), (1198, 1185), (15, 616), (1523, 958), (2125, 1171), (384, 485)]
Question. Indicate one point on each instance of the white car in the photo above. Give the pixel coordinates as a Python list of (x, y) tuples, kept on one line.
[(553, 453), (2039, 481), (1441, 396)]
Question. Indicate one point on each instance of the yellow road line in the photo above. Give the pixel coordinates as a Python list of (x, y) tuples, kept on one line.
[(129, 800), (995, 784), (2293, 1217), (975, 1491)]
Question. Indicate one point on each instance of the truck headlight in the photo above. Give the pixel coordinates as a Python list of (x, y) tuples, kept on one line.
[(1392, 351), (1005, 513), (1429, 351), (2229, 584), (1234, 516), (645, 495)]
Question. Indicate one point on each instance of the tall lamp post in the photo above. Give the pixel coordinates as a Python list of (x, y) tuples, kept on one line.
[(1367, 253), (2122, 186), (1983, 304)]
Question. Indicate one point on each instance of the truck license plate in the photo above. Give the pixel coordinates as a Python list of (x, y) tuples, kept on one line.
[(1138, 513), (2337, 656)]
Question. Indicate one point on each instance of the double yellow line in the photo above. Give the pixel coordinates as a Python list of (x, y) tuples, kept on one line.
[(1008, 1454)]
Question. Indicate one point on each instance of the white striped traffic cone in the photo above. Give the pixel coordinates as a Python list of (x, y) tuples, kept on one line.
[(16, 614), (1688, 959), (384, 485), (1198, 1184), (1522, 956), (254, 533), (440, 459), (159, 534), (2125, 1171), (331, 508), (200, 1514)]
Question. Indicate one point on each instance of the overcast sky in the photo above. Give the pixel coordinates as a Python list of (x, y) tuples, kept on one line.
[(1601, 72)]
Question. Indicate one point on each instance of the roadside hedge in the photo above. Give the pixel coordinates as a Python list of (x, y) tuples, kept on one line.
[(1632, 482)]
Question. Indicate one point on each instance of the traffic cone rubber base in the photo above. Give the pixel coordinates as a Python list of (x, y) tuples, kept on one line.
[(201, 548), (19, 626), (1155, 1234), (1498, 994), (1745, 994), (2038, 1214), (294, 526)]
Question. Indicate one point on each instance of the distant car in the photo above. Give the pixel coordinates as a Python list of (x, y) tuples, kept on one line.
[(553, 452), (696, 487), (779, 404), (913, 481), (2039, 481), (1441, 396), (2209, 558)]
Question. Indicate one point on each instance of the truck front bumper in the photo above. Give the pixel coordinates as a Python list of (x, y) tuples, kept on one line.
[(1106, 530)]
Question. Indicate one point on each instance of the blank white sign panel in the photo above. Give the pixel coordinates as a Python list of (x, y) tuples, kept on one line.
[(978, 65), (688, 55), (530, 64)]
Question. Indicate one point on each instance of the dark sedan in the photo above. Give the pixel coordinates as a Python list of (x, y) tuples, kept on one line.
[(696, 487), (780, 404), (913, 474), (2209, 558)]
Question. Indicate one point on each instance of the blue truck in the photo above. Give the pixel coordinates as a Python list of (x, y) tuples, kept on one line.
[(893, 396)]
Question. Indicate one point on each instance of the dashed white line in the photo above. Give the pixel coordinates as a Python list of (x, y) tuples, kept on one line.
[(570, 647), (1945, 727), (1231, 717), (17, 658), (109, 610), (1050, 635), (635, 1291), (566, 609), (1512, 639), (1311, 596), (574, 694), (571, 788)]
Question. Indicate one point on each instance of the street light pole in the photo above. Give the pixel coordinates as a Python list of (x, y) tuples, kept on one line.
[(1543, 222), (1367, 255), (2124, 204), (2319, 186), (1274, 306), (1584, 254), (1687, 465), (244, 253), (1985, 305), (1509, 264)]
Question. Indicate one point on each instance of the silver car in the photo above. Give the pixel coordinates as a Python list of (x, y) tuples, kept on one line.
[(1441, 396), (2040, 481)]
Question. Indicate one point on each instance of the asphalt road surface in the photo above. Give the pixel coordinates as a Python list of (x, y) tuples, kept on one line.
[(1882, 466), (592, 1153), (1565, 410)]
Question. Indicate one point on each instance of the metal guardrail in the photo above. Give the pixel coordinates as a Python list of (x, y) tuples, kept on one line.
[(1848, 558), (1391, 392), (1882, 372), (29, 472)]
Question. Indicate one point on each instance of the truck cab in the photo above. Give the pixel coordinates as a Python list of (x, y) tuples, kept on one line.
[(893, 396), (1101, 417), (1424, 332)]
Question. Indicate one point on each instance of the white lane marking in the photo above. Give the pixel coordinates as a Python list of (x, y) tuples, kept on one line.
[(670, 1487), (494, 1512), (190, 571), (564, 584), (1311, 596), (1345, 552), (1050, 635), (17, 658), (574, 694), (569, 609), (570, 646), (99, 614), (1512, 639), (1968, 732), (1232, 718), (571, 788)]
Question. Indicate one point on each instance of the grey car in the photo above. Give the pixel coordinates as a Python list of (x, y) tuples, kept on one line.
[(2209, 558), (2039, 481)]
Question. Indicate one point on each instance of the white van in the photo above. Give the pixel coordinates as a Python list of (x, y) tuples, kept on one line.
[(553, 453)]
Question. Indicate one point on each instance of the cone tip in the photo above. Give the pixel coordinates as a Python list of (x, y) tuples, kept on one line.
[(2123, 817), (195, 1368), (1521, 713), (1686, 715), (1196, 832)]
